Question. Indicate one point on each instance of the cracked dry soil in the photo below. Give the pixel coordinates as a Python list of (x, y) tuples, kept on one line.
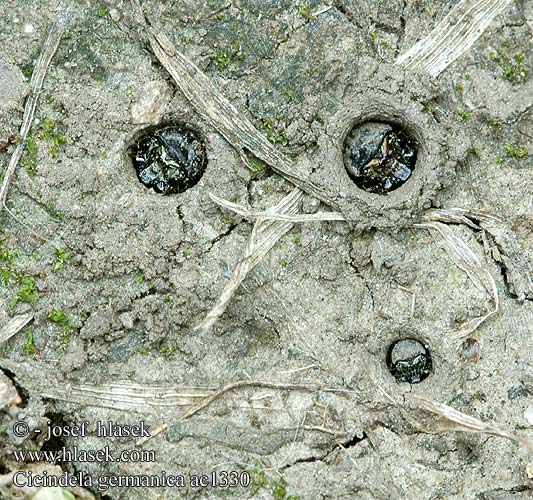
[(138, 270)]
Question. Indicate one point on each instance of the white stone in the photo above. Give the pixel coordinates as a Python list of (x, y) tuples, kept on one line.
[(528, 415), (126, 320), (149, 107), (8, 393), (115, 15)]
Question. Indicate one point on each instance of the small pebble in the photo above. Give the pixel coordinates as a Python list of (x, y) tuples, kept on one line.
[(472, 374), (471, 350), (310, 205), (345, 466), (528, 415), (28, 28), (115, 15), (151, 103), (126, 320), (516, 391)]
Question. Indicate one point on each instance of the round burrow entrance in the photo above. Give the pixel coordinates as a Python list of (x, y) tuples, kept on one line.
[(409, 360), (382, 158), (169, 159), (379, 157)]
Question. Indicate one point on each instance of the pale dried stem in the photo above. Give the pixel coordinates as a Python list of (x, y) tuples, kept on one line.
[(265, 234), (506, 249), (450, 418), (36, 84), (14, 326), (231, 387), (454, 420), (273, 215), (464, 258), (127, 396), (452, 36)]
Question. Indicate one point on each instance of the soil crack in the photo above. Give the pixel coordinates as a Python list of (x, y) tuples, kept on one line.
[(223, 235), (347, 444)]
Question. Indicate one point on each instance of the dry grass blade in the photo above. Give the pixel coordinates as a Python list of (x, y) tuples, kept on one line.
[(127, 396), (450, 216), (14, 326), (515, 260), (452, 36), (272, 215), (464, 258), (214, 107), (507, 250), (231, 387), (36, 84), (461, 216), (452, 419), (264, 236), (249, 383)]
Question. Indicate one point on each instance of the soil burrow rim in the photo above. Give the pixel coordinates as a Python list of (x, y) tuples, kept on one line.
[(416, 194)]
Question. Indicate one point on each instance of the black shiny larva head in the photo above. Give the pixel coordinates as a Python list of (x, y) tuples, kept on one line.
[(409, 360), (379, 157), (170, 159)]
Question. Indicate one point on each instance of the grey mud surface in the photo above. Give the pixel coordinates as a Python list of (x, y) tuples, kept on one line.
[(325, 303)]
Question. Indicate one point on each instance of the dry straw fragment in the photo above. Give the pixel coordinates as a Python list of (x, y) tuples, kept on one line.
[(274, 215), (36, 84), (265, 235), (507, 250), (449, 419), (464, 258), (452, 36), (232, 387), (453, 420), (127, 396), (14, 326)]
